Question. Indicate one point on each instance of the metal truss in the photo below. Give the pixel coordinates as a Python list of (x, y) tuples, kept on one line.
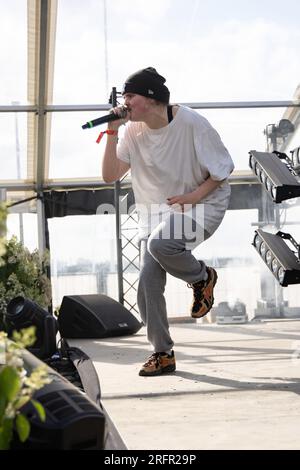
[(130, 259)]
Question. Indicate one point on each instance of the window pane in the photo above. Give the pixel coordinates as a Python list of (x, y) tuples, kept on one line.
[(79, 61), (242, 130), (24, 227), (208, 51), (74, 151), (83, 256), (13, 155), (13, 51), (289, 222), (240, 270)]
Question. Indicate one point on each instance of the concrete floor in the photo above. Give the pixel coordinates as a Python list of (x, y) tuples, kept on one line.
[(236, 387)]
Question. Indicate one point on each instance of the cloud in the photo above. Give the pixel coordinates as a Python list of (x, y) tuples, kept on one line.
[(237, 60), (242, 61), (141, 10)]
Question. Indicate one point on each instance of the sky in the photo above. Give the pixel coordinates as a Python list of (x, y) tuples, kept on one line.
[(216, 50), (207, 50)]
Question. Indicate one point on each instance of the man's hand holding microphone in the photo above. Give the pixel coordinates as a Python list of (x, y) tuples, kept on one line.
[(117, 115)]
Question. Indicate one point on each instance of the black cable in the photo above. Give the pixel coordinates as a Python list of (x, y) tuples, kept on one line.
[(22, 201)]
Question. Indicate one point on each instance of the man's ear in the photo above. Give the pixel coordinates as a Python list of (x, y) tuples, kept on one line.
[(150, 101)]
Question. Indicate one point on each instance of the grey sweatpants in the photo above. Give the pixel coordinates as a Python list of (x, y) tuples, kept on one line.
[(167, 249)]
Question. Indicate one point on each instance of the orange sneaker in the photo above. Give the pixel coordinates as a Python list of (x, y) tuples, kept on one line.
[(203, 294), (159, 363)]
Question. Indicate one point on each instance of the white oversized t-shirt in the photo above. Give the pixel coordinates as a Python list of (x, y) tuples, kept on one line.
[(175, 160)]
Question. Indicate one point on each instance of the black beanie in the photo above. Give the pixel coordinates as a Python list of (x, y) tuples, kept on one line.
[(147, 82)]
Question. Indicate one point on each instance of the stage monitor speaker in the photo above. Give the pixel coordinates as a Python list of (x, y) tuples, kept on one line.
[(73, 421), (95, 316)]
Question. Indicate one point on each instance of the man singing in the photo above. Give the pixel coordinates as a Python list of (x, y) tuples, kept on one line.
[(179, 169)]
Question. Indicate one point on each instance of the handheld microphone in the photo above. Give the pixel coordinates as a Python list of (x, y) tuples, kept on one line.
[(108, 118)]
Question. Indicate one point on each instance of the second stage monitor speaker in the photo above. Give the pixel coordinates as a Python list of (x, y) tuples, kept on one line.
[(95, 316)]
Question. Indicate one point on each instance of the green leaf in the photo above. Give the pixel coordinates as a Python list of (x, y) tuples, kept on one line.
[(2, 407), (40, 409), (6, 433), (10, 383), (23, 427), (21, 402)]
